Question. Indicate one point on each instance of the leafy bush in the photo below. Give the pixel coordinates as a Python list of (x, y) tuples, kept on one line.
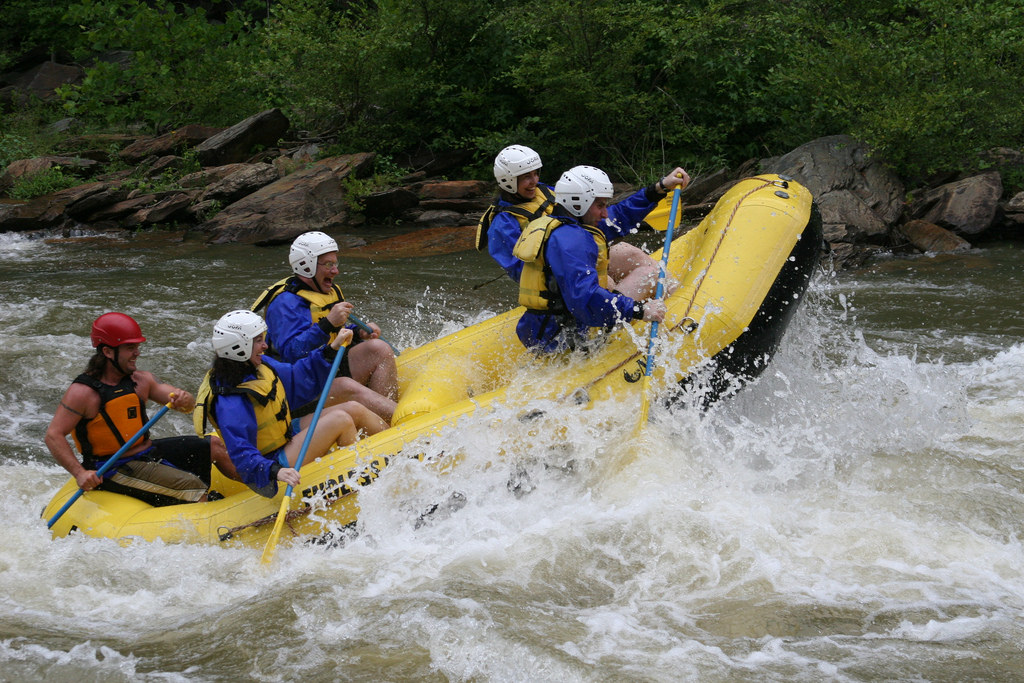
[(927, 87), (386, 173), (50, 180), (29, 24), (13, 147), (632, 86), (180, 70), (24, 134)]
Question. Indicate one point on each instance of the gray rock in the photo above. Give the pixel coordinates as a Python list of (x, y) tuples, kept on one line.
[(169, 143), (308, 199), (851, 188), (244, 181), (237, 142), (967, 206)]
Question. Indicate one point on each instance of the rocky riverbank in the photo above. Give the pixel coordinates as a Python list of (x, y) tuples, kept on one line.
[(242, 184)]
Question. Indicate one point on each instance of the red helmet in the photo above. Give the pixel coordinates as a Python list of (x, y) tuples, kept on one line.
[(114, 329)]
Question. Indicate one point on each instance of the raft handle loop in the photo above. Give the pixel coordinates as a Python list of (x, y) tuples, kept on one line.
[(580, 397)]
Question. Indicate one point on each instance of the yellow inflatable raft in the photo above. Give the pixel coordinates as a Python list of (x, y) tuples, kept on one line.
[(741, 271)]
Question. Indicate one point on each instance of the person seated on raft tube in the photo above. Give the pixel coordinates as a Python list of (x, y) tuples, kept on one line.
[(307, 309), (249, 397), (564, 284), (522, 198), (105, 407)]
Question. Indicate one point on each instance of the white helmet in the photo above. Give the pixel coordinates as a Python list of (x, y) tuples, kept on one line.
[(305, 250), (512, 162), (234, 333), (578, 187)]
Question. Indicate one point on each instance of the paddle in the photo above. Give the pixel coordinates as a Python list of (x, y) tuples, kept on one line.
[(484, 284), (268, 551), (645, 397), (113, 459), (658, 217), (366, 328)]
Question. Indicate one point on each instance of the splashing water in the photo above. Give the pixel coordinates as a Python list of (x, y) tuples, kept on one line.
[(853, 514)]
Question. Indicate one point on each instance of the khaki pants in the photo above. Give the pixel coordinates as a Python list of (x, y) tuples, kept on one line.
[(158, 479)]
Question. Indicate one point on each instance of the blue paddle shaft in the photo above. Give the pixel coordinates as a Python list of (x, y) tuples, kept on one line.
[(110, 463), (662, 273), (366, 328), (316, 414)]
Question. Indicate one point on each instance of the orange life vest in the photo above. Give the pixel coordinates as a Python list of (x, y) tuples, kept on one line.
[(122, 413)]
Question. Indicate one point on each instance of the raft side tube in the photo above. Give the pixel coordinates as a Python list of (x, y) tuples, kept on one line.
[(746, 358)]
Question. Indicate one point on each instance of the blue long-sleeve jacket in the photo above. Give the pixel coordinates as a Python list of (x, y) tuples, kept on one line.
[(571, 256), (291, 332), (503, 235), (624, 218), (236, 419)]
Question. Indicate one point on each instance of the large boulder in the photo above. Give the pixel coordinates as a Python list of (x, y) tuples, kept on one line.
[(858, 197), (169, 143), (48, 211), (1013, 211), (309, 199), (704, 187), (237, 142), (166, 209), (966, 206), (423, 242), (210, 175), (389, 202), (24, 168), (931, 238), (91, 198), (453, 189), (243, 182), (42, 81)]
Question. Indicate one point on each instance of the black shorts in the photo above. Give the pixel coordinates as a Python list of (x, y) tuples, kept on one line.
[(308, 408)]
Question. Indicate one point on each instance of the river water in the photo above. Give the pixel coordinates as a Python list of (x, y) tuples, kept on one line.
[(853, 515)]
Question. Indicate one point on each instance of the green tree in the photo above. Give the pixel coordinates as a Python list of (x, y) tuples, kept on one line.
[(179, 70), (28, 25), (630, 85), (927, 87)]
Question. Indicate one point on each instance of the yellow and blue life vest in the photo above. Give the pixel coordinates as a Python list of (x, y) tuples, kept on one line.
[(542, 204), (273, 417), (534, 290), (320, 304)]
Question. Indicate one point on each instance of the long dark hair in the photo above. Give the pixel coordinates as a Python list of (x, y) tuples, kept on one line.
[(230, 373), (512, 197), (96, 364)]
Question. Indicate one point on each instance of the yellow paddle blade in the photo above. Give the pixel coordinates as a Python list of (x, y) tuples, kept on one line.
[(659, 215), (271, 547)]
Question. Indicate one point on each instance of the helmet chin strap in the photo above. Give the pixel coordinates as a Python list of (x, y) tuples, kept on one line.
[(115, 360), (316, 284)]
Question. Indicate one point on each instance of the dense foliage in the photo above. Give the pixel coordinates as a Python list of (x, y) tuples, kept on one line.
[(630, 85)]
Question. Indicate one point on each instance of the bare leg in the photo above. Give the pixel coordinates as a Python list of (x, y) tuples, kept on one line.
[(335, 426), (635, 272), (364, 419), (372, 363), (348, 389)]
